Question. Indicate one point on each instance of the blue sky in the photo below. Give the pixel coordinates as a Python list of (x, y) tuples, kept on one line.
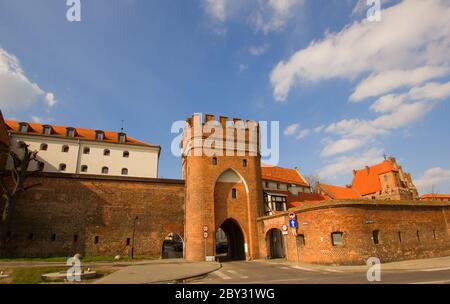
[(345, 90)]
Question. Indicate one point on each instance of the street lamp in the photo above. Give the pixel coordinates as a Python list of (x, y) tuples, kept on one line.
[(132, 239)]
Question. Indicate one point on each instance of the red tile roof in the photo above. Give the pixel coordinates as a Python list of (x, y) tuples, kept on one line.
[(431, 196), (367, 181), (83, 134), (288, 176), (337, 192)]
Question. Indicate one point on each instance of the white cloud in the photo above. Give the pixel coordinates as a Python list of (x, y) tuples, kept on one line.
[(377, 47), (41, 120), (377, 84), (342, 145), (273, 15), (258, 50), (50, 99), (243, 67), (433, 179), (216, 9), (319, 128), (362, 7), (17, 91), (302, 134), (291, 129), (344, 165)]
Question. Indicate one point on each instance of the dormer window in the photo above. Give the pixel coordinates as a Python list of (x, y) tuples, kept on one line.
[(122, 138), (70, 132), (47, 130), (105, 170), (23, 127), (99, 135)]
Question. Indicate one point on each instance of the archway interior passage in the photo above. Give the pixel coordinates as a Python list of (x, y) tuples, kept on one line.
[(230, 242), (172, 247), (275, 243)]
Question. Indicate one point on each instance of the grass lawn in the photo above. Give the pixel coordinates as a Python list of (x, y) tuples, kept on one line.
[(33, 275)]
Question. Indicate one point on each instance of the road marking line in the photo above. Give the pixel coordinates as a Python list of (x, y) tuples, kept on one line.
[(332, 270), (436, 269), (232, 271), (304, 268), (222, 275), (432, 282)]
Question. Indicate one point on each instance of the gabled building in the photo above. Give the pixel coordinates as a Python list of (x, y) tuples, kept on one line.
[(384, 181), (283, 188), (85, 151)]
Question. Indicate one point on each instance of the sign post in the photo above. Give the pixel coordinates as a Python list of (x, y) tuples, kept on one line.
[(293, 223), (284, 229), (205, 236)]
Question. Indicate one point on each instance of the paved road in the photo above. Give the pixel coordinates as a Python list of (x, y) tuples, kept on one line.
[(277, 273)]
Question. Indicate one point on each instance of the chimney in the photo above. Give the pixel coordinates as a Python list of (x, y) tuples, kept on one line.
[(367, 170), (354, 172)]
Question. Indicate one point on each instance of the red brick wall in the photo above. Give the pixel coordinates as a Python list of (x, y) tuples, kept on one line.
[(90, 207), (358, 245)]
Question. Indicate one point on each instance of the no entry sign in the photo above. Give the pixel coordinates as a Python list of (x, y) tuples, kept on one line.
[(205, 234)]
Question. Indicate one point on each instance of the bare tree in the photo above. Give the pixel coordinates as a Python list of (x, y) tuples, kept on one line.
[(18, 175), (312, 180)]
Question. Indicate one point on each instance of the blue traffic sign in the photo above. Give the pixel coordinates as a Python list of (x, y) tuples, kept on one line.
[(293, 223)]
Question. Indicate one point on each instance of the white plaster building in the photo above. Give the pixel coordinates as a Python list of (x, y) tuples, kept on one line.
[(84, 151)]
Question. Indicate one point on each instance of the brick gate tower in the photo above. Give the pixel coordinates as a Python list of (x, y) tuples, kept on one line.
[(222, 170)]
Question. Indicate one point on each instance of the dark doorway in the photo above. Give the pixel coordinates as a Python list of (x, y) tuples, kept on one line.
[(275, 244), (172, 247), (230, 242)]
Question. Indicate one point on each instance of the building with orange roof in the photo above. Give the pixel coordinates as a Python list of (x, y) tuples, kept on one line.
[(384, 181), (436, 197), (284, 188), (330, 192), (85, 151), (4, 142)]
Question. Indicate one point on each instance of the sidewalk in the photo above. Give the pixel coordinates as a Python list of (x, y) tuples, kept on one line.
[(442, 263), (159, 272)]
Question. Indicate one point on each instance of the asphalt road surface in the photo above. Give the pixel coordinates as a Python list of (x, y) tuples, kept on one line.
[(275, 273)]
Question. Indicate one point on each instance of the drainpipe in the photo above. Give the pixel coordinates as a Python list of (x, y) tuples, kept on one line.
[(77, 170)]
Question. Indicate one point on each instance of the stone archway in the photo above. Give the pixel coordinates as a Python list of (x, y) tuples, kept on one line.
[(234, 247), (172, 247), (275, 244)]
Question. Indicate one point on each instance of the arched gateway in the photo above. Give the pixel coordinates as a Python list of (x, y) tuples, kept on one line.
[(223, 189)]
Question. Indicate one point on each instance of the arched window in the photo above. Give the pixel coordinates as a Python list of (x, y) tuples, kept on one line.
[(106, 152), (126, 154), (62, 167), (233, 193), (336, 238), (86, 150), (65, 148), (244, 163), (84, 168), (124, 171), (44, 147), (214, 161), (105, 170)]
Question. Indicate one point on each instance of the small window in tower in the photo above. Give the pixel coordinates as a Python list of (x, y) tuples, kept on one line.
[(96, 239), (244, 163), (53, 237), (105, 170), (9, 236), (84, 168), (434, 234), (126, 154), (75, 238), (214, 161), (400, 236), (418, 236), (86, 150), (44, 147), (31, 236), (233, 193), (106, 152), (336, 238), (124, 171), (128, 241), (65, 149), (376, 237), (62, 167)]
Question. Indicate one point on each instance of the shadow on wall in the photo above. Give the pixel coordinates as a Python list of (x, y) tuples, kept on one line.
[(65, 215)]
